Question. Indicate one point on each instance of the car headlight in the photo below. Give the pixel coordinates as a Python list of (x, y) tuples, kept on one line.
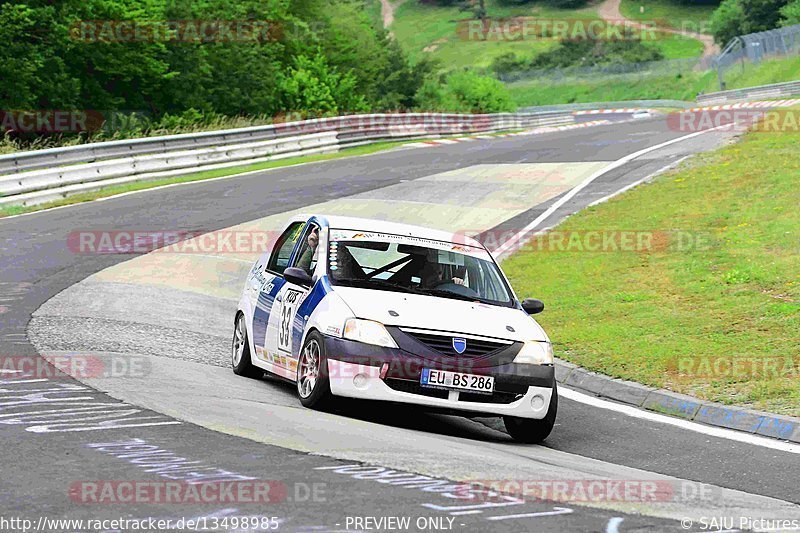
[(369, 332), (535, 353)]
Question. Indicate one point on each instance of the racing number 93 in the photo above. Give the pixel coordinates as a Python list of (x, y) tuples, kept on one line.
[(290, 303)]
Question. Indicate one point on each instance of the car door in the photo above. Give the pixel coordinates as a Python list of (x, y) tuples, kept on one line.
[(267, 282), (284, 330)]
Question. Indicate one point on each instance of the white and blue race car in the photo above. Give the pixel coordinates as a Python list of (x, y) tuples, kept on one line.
[(383, 311)]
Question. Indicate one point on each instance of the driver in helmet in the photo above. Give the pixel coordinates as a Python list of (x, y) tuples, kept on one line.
[(431, 276)]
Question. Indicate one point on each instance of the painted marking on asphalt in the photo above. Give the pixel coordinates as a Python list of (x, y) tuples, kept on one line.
[(166, 463), (525, 234), (67, 408), (635, 412), (613, 525), (554, 512), (466, 493)]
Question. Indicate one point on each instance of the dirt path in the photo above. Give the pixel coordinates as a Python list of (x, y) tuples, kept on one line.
[(387, 11), (609, 10)]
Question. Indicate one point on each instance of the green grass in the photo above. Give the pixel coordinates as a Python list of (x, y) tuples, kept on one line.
[(670, 13), (652, 315), (632, 87), (676, 46), (771, 71), (685, 87), (197, 176)]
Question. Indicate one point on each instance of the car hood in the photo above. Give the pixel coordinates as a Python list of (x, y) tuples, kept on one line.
[(442, 314)]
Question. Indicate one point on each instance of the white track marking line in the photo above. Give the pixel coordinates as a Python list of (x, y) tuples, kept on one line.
[(526, 231), (639, 182), (711, 431)]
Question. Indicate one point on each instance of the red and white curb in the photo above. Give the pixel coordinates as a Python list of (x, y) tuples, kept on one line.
[(612, 111), (537, 131), (763, 104), (759, 104)]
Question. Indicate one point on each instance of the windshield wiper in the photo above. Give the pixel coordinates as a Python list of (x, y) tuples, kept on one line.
[(454, 295), (370, 283)]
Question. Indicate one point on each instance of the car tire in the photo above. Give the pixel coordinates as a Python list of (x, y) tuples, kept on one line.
[(533, 431), (313, 384), (240, 351)]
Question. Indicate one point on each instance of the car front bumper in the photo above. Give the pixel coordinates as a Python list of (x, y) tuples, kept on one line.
[(354, 371)]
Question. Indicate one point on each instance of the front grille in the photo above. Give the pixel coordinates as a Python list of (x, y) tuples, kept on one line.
[(443, 344), (413, 387)]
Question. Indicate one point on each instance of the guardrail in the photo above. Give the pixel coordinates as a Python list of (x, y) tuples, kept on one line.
[(29, 178), (775, 90)]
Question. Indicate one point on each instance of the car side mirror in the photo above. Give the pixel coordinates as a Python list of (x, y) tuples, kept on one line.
[(533, 307), (298, 276)]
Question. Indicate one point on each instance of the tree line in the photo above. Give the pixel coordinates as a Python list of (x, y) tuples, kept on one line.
[(194, 58)]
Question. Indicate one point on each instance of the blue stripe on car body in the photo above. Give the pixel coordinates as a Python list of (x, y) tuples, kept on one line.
[(262, 309), (320, 289)]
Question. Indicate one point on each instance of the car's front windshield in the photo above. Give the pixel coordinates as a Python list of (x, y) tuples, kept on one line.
[(408, 264)]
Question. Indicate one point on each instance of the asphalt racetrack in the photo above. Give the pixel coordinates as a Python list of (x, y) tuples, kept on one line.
[(170, 317)]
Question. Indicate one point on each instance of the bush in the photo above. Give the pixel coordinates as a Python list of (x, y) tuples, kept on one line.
[(465, 92), (588, 52), (508, 63), (313, 86)]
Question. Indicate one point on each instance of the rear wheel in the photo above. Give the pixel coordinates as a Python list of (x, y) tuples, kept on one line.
[(240, 352), (530, 430), (313, 386)]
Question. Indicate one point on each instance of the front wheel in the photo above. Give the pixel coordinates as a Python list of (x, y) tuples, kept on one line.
[(530, 430), (313, 385), (240, 352)]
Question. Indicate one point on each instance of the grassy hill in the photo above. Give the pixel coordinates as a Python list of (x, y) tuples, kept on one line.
[(427, 30)]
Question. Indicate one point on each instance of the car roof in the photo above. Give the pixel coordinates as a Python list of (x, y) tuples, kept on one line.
[(395, 228)]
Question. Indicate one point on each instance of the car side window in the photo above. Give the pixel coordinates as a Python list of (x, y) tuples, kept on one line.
[(282, 252), (307, 255)]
